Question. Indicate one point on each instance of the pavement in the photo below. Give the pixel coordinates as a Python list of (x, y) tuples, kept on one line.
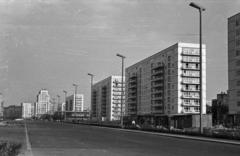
[(225, 141)]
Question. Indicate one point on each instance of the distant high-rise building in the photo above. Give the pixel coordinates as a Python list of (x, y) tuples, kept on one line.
[(74, 99), (43, 105), (106, 99), (26, 110), (167, 83), (234, 64)]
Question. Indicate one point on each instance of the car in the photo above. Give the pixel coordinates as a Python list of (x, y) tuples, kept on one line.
[(18, 119)]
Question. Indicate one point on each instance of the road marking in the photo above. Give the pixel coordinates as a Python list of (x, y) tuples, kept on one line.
[(28, 152)]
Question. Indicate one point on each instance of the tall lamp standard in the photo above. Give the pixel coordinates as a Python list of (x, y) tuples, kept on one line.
[(123, 57), (65, 118), (90, 120), (58, 105), (200, 8), (75, 99)]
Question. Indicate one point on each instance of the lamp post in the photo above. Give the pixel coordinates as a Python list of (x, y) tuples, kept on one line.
[(75, 99), (90, 120), (65, 118), (200, 8), (58, 105), (123, 57)]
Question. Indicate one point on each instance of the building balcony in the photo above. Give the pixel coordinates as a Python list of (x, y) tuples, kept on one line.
[(131, 91), (157, 91), (114, 86), (116, 115), (189, 97), (157, 98), (190, 111), (190, 61), (190, 82), (157, 66), (132, 81), (192, 53), (117, 90), (132, 86), (157, 72), (190, 75), (118, 82), (157, 78), (132, 102), (191, 104), (190, 89), (154, 85), (157, 105), (117, 94), (190, 67), (115, 107), (157, 111)]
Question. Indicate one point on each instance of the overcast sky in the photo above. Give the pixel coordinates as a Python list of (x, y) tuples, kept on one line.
[(54, 43)]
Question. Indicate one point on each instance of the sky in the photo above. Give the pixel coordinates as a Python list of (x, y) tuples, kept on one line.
[(53, 44)]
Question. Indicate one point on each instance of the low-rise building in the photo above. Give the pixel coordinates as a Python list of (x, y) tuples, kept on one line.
[(13, 112), (26, 110)]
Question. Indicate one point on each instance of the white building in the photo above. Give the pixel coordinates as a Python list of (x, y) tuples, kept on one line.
[(43, 105), (26, 110), (106, 99), (74, 99), (234, 64), (167, 83)]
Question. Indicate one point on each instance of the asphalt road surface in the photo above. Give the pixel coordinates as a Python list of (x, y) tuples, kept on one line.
[(64, 139)]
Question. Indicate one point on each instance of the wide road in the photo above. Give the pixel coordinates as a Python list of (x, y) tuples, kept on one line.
[(53, 138)]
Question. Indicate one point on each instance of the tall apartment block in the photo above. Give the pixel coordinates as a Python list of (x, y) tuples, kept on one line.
[(43, 105), (26, 110), (106, 99), (74, 100), (167, 83), (234, 64)]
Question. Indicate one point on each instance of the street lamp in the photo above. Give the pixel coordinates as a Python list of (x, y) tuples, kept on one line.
[(200, 8), (75, 100), (123, 57), (65, 118), (90, 120), (58, 105)]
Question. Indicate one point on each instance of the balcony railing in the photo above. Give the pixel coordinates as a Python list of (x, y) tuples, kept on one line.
[(157, 91), (157, 105), (190, 89), (189, 104), (157, 98), (190, 111), (191, 96), (191, 67), (154, 72), (190, 82), (157, 78), (191, 75), (156, 111)]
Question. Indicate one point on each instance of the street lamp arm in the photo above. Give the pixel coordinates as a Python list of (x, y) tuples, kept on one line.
[(121, 56), (90, 74), (197, 6)]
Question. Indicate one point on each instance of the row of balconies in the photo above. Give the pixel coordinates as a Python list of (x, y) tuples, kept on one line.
[(191, 104)]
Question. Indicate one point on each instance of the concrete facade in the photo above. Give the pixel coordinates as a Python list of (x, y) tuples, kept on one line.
[(234, 64), (74, 99), (167, 82), (26, 110), (106, 99), (43, 105)]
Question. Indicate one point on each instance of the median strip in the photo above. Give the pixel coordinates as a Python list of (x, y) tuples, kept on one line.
[(28, 152)]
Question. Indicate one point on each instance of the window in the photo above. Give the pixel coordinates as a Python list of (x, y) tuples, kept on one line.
[(238, 83), (237, 42), (237, 23), (169, 65), (237, 32), (169, 93), (169, 79), (237, 52), (238, 63), (238, 93), (169, 85), (238, 73), (169, 58), (169, 72), (169, 100), (238, 103)]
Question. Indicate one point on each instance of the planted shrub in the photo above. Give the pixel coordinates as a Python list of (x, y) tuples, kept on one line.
[(10, 148)]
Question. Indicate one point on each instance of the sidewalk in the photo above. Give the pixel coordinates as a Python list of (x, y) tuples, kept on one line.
[(180, 136)]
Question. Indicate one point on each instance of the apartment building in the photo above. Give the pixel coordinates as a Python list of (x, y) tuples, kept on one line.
[(12, 112), (75, 99), (106, 99), (167, 83), (43, 105), (234, 64), (26, 110)]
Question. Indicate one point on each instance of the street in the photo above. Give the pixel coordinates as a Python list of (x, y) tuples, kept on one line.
[(54, 138)]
